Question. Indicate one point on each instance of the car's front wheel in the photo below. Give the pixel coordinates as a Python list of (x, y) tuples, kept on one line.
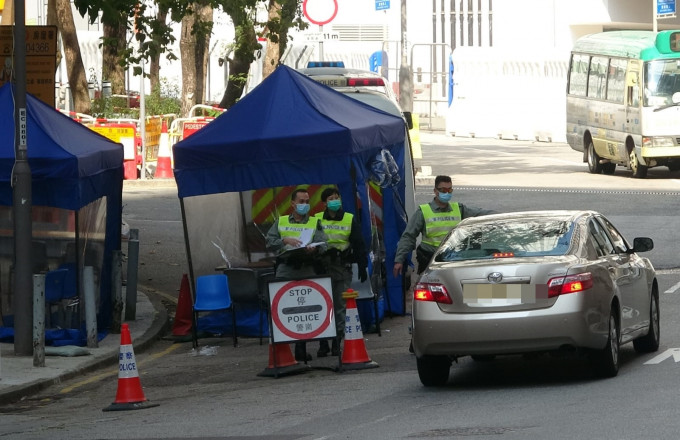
[(650, 342), (433, 370), (639, 170), (606, 361)]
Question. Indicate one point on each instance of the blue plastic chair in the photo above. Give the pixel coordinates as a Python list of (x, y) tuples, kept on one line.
[(54, 290), (70, 284), (212, 294)]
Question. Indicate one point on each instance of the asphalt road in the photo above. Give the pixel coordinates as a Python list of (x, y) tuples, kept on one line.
[(220, 396)]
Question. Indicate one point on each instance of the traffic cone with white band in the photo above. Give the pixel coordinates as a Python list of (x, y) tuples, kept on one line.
[(164, 164), (130, 394), (354, 354)]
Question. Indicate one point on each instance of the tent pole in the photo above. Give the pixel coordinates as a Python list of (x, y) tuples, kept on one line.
[(194, 331), (245, 226)]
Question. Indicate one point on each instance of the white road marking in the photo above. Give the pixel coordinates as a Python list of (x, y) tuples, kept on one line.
[(674, 288), (671, 352)]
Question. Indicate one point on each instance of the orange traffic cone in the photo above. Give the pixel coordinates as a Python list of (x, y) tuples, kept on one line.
[(281, 361), (129, 394), (354, 355), (181, 326), (164, 164)]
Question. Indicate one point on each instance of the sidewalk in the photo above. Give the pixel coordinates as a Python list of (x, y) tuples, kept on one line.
[(19, 378)]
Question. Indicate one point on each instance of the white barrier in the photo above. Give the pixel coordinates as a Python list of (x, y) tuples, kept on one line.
[(510, 95)]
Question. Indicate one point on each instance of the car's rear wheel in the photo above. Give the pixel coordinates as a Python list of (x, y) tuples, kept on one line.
[(433, 370), (650, 342), (606, 361), (594, 165)]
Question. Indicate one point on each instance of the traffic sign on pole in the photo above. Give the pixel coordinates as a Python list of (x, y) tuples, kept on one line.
[(381, 5), (320, 11), (665, 8)]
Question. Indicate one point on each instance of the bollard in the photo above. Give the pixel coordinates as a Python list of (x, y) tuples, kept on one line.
[(117, 291), (90, 307), (131, 285), (38, 320)]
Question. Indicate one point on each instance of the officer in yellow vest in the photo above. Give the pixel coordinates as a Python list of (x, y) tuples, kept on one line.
[(345, 246), (433, 220), (297, 259)]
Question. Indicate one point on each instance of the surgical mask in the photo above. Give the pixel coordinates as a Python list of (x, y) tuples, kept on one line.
[(444, 197), (302, 208), (334, 205)]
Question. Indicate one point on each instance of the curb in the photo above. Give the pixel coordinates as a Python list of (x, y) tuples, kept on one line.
[(160, 325), (153, 183)]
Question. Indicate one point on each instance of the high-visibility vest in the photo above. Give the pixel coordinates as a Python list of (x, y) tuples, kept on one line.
[(337, 230), (294, 230), (438, 224)]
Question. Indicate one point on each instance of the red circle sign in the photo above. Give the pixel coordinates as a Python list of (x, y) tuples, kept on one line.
[(320, 11), (326, 301)]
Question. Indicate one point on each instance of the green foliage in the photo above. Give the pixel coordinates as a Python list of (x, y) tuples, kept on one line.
[(163, 100)]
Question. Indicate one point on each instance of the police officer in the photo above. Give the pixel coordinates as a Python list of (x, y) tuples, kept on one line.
[(345, 246), (297, 259), (434, 220)]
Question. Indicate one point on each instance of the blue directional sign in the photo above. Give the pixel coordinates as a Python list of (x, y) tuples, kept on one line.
[(381, 5), (664, 7)]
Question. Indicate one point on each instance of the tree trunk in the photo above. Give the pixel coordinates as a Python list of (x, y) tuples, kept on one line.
[(155, 64), (205, 12), (114, 37), (239, 64), (271, 59), (187, 53), (193, 48), (74, 62)]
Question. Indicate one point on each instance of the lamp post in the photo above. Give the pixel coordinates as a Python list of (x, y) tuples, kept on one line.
[(405, 76), (22, 200)]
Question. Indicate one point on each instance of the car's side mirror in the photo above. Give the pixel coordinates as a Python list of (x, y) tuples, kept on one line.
[(409, 119), (642, 244)]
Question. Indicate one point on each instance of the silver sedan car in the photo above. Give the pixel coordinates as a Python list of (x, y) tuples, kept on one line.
[(532, 282)]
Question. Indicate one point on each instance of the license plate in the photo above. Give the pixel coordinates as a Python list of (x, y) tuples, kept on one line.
[(492, 295)]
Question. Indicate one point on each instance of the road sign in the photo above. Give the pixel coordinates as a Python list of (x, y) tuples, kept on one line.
[(302, 310), (41, 59), (381, 5), (320, 11), (189, 128), (322, 36), (665, 8)]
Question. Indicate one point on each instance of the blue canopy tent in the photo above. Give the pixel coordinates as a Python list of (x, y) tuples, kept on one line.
[(77, 185), (289, 131)]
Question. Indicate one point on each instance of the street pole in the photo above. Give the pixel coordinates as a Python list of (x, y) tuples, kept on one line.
[(21, 188), (655, 25), (405, 76)]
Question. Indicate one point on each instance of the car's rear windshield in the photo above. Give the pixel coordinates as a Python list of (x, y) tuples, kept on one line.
[(507, 238)]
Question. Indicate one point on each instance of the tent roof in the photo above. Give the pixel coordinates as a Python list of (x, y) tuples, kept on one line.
[(288, 130), (70, 164)]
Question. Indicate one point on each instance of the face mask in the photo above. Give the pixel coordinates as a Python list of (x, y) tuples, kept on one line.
[(444, 197), (302, 208), (334, 205)]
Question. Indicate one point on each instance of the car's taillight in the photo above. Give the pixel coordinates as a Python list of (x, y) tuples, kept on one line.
[(569, 284), (431, 292), (371, 82)]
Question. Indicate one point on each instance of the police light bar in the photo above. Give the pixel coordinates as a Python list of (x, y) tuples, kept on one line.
[(325, 64), (362, 82)]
